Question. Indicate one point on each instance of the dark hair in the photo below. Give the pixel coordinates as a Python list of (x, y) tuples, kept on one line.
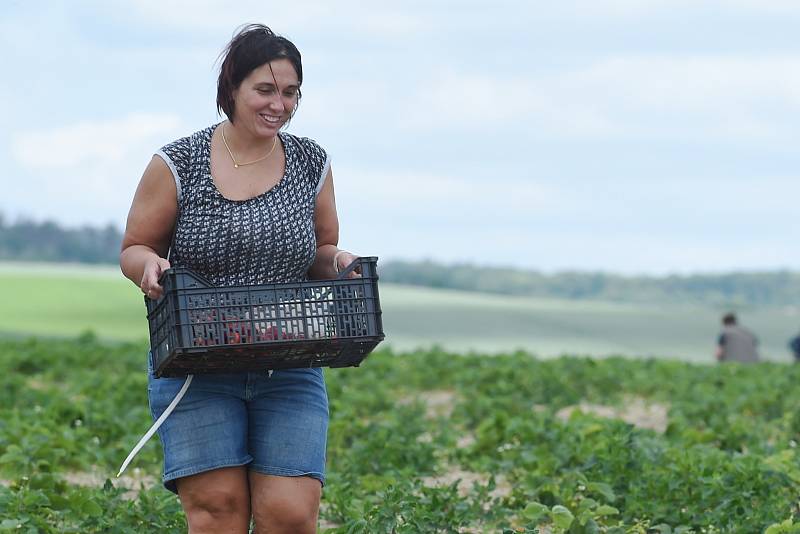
[(252, 45), (729, 319)]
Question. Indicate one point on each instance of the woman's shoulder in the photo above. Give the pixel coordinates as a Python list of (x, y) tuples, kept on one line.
[(179, 151), (308, 148), (194, 137), (314, 159), (304, 143), (177, 154)]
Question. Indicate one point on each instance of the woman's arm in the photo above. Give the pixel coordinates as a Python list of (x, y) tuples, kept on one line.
[(149, 229), (326, 227)]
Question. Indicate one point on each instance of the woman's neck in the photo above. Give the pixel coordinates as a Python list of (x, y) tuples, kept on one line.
[(242, 141)]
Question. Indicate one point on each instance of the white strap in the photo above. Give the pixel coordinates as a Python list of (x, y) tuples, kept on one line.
[(156, 425)]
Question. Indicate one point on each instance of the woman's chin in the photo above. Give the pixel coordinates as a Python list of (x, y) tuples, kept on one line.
[(268, 130)]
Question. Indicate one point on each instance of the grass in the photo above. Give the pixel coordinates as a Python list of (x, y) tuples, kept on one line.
[(49, 303), (54, 300)]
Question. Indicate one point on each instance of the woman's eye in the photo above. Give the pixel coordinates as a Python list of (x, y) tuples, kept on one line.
[(266, 91)]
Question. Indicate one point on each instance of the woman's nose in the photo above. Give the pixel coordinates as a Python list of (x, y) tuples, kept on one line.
[(277, 104)]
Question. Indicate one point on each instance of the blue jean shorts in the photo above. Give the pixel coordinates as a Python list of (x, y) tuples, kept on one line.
[(275, 425)]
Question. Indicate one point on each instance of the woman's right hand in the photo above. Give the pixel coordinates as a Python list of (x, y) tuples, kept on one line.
[(152, 272)]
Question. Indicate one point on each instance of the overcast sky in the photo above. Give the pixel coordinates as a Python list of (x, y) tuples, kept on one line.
[(635, 136)]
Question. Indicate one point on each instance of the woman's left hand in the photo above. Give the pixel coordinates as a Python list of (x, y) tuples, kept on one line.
[(342, 259)]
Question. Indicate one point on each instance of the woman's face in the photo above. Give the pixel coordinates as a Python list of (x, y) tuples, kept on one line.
[(265, 100)]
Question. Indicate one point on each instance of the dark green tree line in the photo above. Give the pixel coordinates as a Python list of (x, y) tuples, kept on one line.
[(728, 289), (27, 240)]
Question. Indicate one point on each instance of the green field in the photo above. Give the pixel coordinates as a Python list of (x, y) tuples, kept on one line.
[(54, 300), (433, 442), (426, 440)]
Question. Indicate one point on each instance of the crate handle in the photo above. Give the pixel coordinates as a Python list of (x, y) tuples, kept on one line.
[(355, 265), (194, 279), (363, 265)]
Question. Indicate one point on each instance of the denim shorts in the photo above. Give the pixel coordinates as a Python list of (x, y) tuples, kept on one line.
[(274, 424)]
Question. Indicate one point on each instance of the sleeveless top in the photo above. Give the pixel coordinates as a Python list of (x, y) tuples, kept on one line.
[(265, 239)]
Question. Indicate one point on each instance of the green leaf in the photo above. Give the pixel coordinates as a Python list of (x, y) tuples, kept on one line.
[(535, 511), (786, 527), (92, 509), (561, 516), (34, 499), (587, 504), (13, 449), (591, 527), (594, 428), (605, 510), (603, 489)]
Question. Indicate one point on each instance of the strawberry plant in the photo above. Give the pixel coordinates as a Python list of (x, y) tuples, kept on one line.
[(433, 442)]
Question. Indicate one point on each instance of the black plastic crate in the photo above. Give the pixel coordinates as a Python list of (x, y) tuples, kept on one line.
[(197, 328)]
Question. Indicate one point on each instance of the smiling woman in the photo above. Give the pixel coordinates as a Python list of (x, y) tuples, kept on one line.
[(241, 202)]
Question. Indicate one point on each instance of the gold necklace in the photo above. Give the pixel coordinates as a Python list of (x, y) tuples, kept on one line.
[(236, 164)]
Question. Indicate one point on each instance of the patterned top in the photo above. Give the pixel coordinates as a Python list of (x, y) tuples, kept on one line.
[(265, 239)]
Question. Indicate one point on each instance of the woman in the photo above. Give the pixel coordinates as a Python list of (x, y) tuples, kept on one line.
[(242, 202)]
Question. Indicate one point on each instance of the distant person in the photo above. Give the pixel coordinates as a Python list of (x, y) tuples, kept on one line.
[(736, 343), (794, 344)]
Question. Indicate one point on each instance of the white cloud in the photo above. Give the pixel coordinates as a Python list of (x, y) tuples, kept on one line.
[(762, 6), (92, 143), (86, 172), (388, 18), (454, 100), (418, 196), (655, 225), (692, 83), (644, 8), (216, 14), (552, 249), (675, 97), (307, 16)]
